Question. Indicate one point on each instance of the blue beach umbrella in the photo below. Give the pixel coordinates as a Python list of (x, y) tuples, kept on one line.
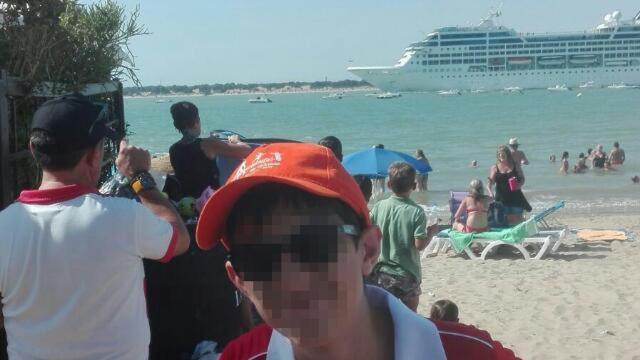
[(374, 162)]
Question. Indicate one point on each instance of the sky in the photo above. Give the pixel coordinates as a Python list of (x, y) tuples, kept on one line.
[(256, 41)]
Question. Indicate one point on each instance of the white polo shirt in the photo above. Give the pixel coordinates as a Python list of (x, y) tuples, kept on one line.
[(71, 274)]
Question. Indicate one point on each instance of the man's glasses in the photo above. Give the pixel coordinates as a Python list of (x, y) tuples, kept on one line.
[(314, 244)]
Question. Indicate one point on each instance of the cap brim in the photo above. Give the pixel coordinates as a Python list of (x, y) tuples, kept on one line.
[(211, 225)]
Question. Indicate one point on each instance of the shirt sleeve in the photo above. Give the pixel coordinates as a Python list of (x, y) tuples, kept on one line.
[(155, 238), (420, 230)]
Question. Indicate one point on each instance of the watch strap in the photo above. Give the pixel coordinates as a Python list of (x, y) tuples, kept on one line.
[(142, 181)]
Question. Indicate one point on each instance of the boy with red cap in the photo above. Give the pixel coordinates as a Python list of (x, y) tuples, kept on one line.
[(300, 241)]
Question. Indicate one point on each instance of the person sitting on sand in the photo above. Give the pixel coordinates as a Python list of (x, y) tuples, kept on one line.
[(476, 206), (422, 179), (192, 157), (444, 310), (581, 166), (599, 158), (552, 158), (616, 156), (564, 163)]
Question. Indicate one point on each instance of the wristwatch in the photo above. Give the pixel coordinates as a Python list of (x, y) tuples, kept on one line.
[(142, 181)]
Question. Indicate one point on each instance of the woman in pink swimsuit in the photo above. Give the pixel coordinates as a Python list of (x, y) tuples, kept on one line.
[(476, 206)]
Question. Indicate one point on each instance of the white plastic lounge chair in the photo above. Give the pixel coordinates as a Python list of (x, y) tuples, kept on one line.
[(544, 241), (518, 237)]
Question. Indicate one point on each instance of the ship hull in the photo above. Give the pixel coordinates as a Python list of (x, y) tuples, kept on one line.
[(402, 79)]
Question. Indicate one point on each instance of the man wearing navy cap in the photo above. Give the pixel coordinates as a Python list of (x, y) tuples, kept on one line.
[(71, 274)]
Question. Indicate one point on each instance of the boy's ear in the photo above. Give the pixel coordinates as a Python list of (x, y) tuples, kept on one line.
[(235, 279), (370, 244)]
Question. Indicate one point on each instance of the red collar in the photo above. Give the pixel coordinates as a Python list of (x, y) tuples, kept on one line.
[(55, 195)]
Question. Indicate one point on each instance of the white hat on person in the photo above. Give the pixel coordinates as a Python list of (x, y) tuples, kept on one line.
[(513, 141)]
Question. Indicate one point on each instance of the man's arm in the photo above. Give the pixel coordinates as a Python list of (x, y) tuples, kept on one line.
[(132, 160), (462, 207), (212, 147), (421, 243), (421, 237), (520, 174), (524, 159), (162, 208)]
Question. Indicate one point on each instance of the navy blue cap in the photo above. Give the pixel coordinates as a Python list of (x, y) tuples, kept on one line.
[(74, 121)]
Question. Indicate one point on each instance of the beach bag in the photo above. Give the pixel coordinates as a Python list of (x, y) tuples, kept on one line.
[(514, 184)]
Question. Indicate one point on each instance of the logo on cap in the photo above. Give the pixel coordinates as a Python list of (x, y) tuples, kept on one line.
[(261, 161)]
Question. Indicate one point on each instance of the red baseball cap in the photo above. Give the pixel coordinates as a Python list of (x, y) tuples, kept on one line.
[(309, 167)]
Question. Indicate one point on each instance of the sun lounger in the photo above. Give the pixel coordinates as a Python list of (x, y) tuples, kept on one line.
[(544, 241)]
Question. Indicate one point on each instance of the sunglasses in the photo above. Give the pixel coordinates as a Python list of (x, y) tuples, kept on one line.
[(314, 244)]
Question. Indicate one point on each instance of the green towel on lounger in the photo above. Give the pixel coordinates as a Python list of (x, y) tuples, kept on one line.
[(513, 235)]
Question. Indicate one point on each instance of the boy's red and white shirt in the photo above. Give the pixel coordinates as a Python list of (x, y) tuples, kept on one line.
[(415, 338)]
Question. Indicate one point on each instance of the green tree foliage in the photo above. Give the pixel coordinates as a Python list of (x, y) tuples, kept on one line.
[(64, 42)]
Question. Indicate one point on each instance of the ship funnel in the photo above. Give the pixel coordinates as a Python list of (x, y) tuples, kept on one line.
[(617, 15)]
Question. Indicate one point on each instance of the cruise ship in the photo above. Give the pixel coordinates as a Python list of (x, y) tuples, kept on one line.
[(492, 57)]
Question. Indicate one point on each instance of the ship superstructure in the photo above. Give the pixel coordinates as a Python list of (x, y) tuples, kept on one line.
[(490, 57)]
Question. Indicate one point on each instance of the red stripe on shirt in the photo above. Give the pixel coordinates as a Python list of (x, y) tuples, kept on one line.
[(172, 246), (54, 195)]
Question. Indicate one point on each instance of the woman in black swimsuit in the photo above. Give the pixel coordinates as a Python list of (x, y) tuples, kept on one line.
[(506, 170), (194, 158)]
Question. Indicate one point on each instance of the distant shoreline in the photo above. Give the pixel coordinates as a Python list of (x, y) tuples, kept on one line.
[(291, 87), (247, 92)]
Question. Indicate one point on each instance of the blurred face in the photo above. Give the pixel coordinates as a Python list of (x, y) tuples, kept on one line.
[(502, 155), (301, 271)]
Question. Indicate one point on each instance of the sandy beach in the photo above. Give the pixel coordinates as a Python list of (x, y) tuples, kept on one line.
[(580, 303)]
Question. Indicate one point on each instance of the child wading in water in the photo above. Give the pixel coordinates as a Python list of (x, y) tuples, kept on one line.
[(476, 206)]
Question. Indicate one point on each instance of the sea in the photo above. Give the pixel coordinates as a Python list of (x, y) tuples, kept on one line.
[(451, 130)]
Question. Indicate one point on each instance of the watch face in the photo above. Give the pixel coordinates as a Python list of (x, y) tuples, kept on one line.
[(147, 182)]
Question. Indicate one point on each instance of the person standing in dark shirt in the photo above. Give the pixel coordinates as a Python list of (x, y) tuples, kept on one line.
[(193, 158)]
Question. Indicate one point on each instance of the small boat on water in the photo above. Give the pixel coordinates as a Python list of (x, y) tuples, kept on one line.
[(588, 84), (389, 95), (335, 96), (260, 100), (450, 92), (513, 90), (562, 87), (620, 86)]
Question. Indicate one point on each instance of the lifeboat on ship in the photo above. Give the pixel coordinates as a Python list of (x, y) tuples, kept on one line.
[(522, 60), (583, 59), (551, 60)]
